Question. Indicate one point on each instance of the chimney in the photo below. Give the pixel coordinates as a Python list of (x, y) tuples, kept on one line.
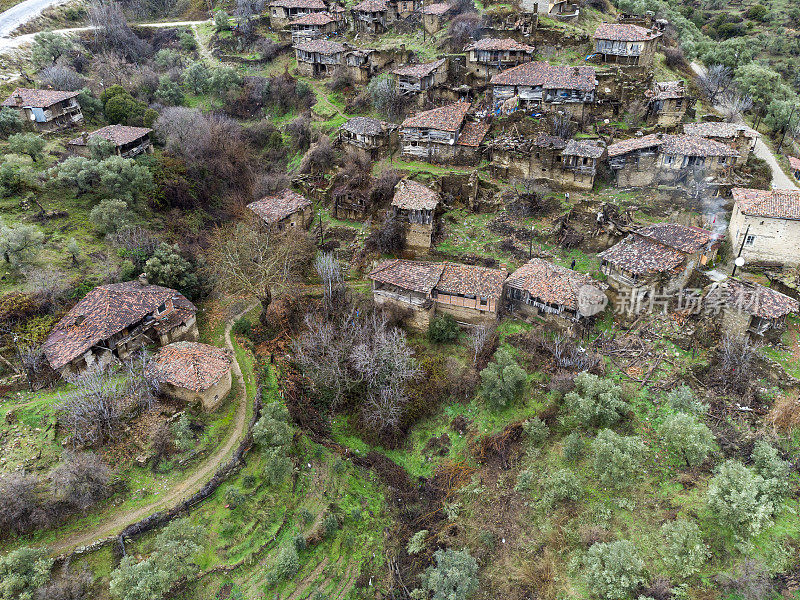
[(143, 280), (18, 98)]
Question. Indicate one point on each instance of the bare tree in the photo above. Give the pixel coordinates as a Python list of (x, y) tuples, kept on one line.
[(111, 28), (20, 508), (330, 273), (60, 77), (92, 411), (319, 158), (561, 126), (479, 337), (734, 104), (717, 80), (81, 479), (142, 378)]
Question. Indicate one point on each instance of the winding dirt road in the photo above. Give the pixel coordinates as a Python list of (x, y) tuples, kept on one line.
[(113, 526)]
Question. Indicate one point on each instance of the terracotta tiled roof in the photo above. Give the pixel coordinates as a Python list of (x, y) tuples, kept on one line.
[(473, 133), (498, 44), (583, 148), (624, 32), (544, 140), (714, 129), (419, 70), (316, 18), (191, 365), (636, 143), (681, 237), (118, 135), (641, 256), (440, 8), (326, 47), (416, 276), (794, 163), (776, 204), (363, 126), (470, 280), (105, 311), (668, 90), (276, 208), (37, 98), (410, 195), (372, 6), (548, 76), (551, 283), (758, 300), (445, 118), (313, 4), (681, 145)]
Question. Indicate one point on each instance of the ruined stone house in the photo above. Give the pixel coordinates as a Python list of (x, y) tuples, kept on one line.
[(667, 103), (443, 134), (283, 211), (747, 308), (194, 373), (319, 58), (368, 138), (671, 159), (417, 79), (45, 110), (364, 63), (765, 225), (422, 290), (626, 44), (738, 136), (113, 321), (542, 87), (434, 16), (373, 16), (794, 165), (127, 141), (563, 10), (489, 56), (415, 206), (314, 26), (282, 12)]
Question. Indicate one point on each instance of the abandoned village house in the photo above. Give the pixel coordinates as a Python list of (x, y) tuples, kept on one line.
[(282, 12), (738, 136), (542, 290), (417, 79), (415, 206), (540, 86), (319, 58), (314, 26), (373, 16), (194, 373), (45, 110), (748, 308), (667, 103), (128, 141), (285, 210), (489, 56), (113, 321), (368, 138), (765, 225), (471, 294), (443, 134), (626, 44), (563, 10), (658, 258), (670, 159), (434, 16)]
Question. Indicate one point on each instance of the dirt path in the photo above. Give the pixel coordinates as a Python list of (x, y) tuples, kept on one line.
[(183, 489)]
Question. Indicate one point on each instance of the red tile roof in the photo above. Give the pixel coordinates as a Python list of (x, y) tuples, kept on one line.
[(794, 163), (105, 311), (326, 47), (472, 134), (666, 90), (624, 32), (635, 143), (719, 129), (191, 365), (37, 98), (681, 237), (419, 70), (446, 278), (316, 18), (411, 195), (372, 6), (276, 208), (584, 148), (640, 256), (445, 118), (415, 276), (757, 300), (551, 283), (548, 76), (118, 135), (680, 145), (498, 44), (776, 204)]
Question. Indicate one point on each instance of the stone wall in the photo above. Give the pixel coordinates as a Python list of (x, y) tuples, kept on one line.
[(209, 399), (463, 314), (774, 240)]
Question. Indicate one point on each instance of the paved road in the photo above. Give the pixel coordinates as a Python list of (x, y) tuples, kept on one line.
[(22, 13), (780, 180)]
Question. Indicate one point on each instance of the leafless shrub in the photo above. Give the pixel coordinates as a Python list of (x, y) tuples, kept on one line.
[(464, 28), (531, 199), (674, 58), (319, 158), (479, 338), (111, 29), (161, 443), (635, 112), (735, 362), (561, 126), (267, 48), (20, 505), (50, 285), (81, 480), (60, 77), (330, 273), (388, 238), (341, 80), (749, 580), (659, 589), (68, 586), (382, 190), (717, 80), (138, 243), (568, 355), (300, 132), (733, 104), (112, 69)]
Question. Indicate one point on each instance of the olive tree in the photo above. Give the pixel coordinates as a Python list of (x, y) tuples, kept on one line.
[(273, 435), (617, 458), (613, 569), (23, 571), (455, 576), (682, 549), (740, 500), (687, 438), (595, 402), (503, 381), (28, 144), (20, 244)]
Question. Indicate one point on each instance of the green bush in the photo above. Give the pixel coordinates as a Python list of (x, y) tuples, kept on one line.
[(536, 431), (182, 433), (23, 571), (596, 402), (234, 497), (300, 542), (416, 543), (28, 144), (574, 447), (739, 499), (613, 569), (687, 438), (242, 327), (10, 121), (331, 525), (503, 381), (169, 268), (526, 481), (773, 469), (455, 576), (442, 330), (286, 565), (562, 485), (617, 458), (682, 549), (682, 399), (111, 215), (169, 92)]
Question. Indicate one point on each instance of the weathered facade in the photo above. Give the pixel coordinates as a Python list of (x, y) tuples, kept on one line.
[(540, 86), (419, 78), (415, 205), (282, 12), (422, 289), (738, 136), (368, 138), (113, 321), (128, 141), (765, 225), (749, 309), (314, 26), (194, 373), (443, 134), (434, 16), (319, 58), (286, 210), (45, 110), (489, 56), (626, 44), (667, 103), (373, 16)]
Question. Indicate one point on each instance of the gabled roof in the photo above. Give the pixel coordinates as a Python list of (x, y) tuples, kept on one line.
[(315, 18), (410, 195), (446, 278), (472, 134), (666, 90), (794, 163), (273, 209), (363, 126), (682, 145), (640, 256), (105, 311), (413, 275), (498, 44), (191, 365), (312, 4), (757, 300), (624, 32), (439, 9), (680, 237), (719, 129), (548, 76), (372, 6), (445, 118), (326, 47), (776, 204), (545, 140), (37, 98), (419, 70), (119, 135), (551, 283), (583, 148), (653, 140)]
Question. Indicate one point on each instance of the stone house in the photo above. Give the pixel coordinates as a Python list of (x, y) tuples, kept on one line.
[(667, 103), (738, 136), (319, 58), (566, 163), (422, 290), (373, 16), (442, 134), (542, 87), (434, 16), (194, 373), (282, 12), (314, 26), (794, 165), (656, 259), (415, 205), (113, 321), (626, 44), (368, 138), (128, 141), (750, 309), (489, 56), (419, 78), (350, 203), (542, 290), (670, 159), (765, 225), (45, 110), (363, 63), (562, 10), (285, 210)]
